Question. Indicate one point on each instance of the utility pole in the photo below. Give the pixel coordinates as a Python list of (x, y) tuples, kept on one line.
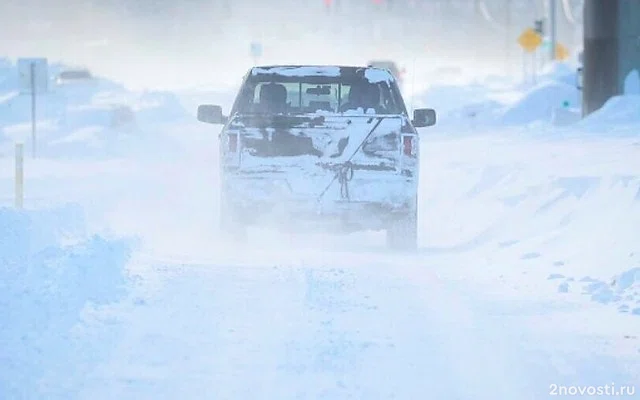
[(508, 39), (601, 56), (475, 28), (33, 108), (552, 28)]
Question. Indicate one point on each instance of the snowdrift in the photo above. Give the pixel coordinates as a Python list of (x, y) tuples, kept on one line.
[(621, 290), (91, 117), (495, 102), (50, 271), (621, 114), (461, 107), (567, 208), (558, 71), (449, 99), (539, 103), (160, 107)]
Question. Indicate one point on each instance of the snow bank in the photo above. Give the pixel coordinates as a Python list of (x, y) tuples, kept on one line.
[(632, 83), (620, 113), (160, 107), (450, 98), (50, 269), (460, 106), (88, 118), (561, 72), (567, 207), (622, 290), (495, 101), (539, 103)]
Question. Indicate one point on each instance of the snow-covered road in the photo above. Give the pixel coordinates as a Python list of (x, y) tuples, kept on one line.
[(366, 328)]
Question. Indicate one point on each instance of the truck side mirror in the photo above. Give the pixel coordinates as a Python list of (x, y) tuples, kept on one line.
[(423, 117), (210, 114)]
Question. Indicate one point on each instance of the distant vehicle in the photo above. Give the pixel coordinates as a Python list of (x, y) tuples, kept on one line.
[(122, 116), (391, 67), (73, 76), (328, 147), (112, 116)]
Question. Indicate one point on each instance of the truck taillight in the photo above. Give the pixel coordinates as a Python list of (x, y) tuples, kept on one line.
[(408, 145), (233, 143)]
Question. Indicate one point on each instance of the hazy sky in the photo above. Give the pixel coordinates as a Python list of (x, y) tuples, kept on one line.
[(170, 44)]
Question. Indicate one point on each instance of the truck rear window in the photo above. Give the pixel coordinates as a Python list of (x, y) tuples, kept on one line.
[(301, 95)]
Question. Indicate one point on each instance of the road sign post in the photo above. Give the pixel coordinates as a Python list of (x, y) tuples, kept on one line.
[(530, 40), (539, 26), (552, 33), (34, 79), (508, 38), (561, 52), (255, 51)]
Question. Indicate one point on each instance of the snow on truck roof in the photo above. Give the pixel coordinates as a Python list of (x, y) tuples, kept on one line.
[(372, 74)]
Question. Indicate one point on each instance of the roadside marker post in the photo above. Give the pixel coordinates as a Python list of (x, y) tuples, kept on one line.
[(19, 176)]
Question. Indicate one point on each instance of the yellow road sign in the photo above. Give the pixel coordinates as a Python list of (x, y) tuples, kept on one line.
[(529, 40), (561, 52)]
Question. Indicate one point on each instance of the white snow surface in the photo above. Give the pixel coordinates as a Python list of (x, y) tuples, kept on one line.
[(632, 83), (373, 75), (116, 285), (51, 271), (320, 70), (495, 102), (376, 75)]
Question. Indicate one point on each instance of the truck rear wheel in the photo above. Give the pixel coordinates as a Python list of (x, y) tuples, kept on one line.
[(231, 225), (402, 234)]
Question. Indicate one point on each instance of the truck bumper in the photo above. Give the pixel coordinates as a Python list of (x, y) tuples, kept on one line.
[(373, 203)]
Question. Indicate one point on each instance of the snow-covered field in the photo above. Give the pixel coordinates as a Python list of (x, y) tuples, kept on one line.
[(114, 285)]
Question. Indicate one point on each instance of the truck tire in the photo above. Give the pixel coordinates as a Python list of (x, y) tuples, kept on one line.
[(232, 227), (402, 234)]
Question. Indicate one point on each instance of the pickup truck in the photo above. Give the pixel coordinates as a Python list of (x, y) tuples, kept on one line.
[(328, 148)]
